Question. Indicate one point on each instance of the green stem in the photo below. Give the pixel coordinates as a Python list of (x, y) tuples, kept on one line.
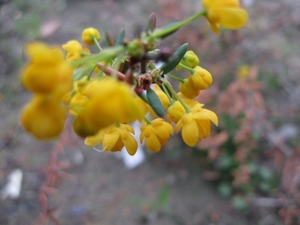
[(90, 74), (147, 121), (97, 43), (175, 78), (160, 33), (191, 70), (175, 96), (84, 54), (167, 93)]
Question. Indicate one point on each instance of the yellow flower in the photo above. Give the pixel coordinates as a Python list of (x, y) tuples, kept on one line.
[(41, 53), (46, 72), (188, 90), (89, 34), (84, 126), (77, 103), (74, 49), (157, 133), (114, 138), (44, 118), (109, 101), (175, 112), (196, 125), (190, 59), (226, 13), (201, 79)]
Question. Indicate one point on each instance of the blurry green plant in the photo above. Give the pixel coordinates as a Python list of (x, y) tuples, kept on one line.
[(32, 13)]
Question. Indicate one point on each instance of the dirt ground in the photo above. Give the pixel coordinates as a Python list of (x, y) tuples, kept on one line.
[(168, 188)]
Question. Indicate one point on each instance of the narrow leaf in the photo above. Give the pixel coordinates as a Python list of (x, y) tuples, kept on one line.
[(155, 103), (151, 23), (120, 37), (174, 59)]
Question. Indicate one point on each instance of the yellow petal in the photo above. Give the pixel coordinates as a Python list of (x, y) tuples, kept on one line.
[(153, 143), (95, 139), (129, 142), (190, 133), (232, 18), (206, 114), (204, 128), (110, 140)]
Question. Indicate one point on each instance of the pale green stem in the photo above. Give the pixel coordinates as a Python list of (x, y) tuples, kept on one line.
[(147, 120), (84, 54), (90, 74), (175, 96), (159, 33), (97, 43), (175, 78), (191, 70), (167, 93)]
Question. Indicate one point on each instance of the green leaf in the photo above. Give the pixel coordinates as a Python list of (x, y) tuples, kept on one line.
[(120, 37), (151, 23), (174, 59), (155, 103)]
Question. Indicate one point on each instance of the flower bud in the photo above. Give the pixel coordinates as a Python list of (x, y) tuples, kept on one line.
[(89, 34)]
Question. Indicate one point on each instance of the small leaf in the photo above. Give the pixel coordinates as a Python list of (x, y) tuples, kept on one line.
[(151, 23), (109, 39), (174, 59), (120, 37), (155, 103)]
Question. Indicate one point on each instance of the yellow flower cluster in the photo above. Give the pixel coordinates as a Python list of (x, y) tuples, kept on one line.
[(49, 78), (107, 90)]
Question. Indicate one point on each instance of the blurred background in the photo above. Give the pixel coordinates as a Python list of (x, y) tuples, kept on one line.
[(246, 173)]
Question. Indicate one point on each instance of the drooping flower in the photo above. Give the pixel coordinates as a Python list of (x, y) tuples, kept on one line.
[(89, 35), (47, 72), (201, 79), (44, 118), (225, 13), (109, 101), (157, 133), (175, 112), (196, 124), (114, 138), (188, 90)]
